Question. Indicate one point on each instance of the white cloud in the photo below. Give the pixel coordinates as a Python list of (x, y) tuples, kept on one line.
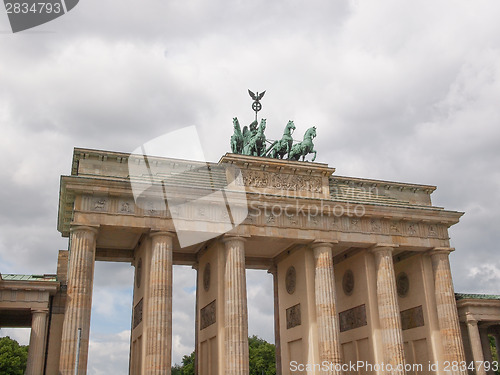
[(109, 354), (21, 335)]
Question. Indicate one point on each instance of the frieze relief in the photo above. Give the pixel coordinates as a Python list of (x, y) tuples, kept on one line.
[(375, 226), (333, 223), (292, 220), (411, 229), (315, 221), (126, 206), (267, 217), (395, 227), (270, 218), (288, 182), (432, 231), (355, 224), (100, 204), (95, 203)]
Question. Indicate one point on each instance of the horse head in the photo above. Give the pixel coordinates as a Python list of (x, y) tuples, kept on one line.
[(310, 133), (262, 126), (236, 123), (290, 127)]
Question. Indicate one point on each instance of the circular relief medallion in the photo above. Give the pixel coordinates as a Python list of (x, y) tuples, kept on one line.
[(138, 273), (402, 284), (290, 280), (348, 282), (206, 277)]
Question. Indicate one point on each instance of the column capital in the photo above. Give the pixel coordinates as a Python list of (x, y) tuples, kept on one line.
[(162, 233), (383, 247), (328, 244), (84, 228), (441, 251), (233, 237), (39, 311), (471, 319)]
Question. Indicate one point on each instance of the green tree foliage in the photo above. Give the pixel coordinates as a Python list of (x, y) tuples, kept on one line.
[(13, 357), (187, 367), (262, 357), (261, 353), (494, 352)]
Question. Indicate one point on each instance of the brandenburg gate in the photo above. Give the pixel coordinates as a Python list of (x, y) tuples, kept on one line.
[(361, 267)]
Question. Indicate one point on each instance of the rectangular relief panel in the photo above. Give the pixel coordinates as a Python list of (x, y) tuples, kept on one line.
[(138, 313), (412, 318), (208, 315), (293, 318), (352, 318)]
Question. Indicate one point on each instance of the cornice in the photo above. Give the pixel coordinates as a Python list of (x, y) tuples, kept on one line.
[(385, 184)]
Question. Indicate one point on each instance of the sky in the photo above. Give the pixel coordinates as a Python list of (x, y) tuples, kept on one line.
[(398, 90)]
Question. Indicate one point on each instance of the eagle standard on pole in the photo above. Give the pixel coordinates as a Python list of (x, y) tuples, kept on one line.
[(256, 106)]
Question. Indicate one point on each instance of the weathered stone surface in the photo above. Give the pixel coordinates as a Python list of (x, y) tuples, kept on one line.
[(37, 342), (388, 309), (475, 340), (353, 318), (208, 315), (446, 306), (159, 306), (138, 313), (79, 300), (325, 298), (412, 318), (235, 308), (293, 316)]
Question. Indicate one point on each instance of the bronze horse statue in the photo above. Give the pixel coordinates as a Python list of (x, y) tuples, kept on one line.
[(236, 138), (282, 147), (305, 147), (256, 146)]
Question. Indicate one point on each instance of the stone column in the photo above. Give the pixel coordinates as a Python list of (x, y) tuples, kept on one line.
[(485, 344), (388, 309), (449, 326), (277, 342), (158, 326), (79, 300), (235, 308), (475, 343), (36, 352), (325, 298)]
